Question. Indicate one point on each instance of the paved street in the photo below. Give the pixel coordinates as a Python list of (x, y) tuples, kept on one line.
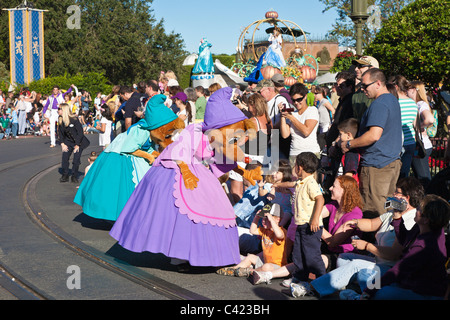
[(43, 261)]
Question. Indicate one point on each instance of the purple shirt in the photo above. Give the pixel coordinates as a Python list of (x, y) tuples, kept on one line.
[(55, 100), (356, 213), (422, 268)]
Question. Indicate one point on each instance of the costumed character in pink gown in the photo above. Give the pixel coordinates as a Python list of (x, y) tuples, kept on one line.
[(180, 208)]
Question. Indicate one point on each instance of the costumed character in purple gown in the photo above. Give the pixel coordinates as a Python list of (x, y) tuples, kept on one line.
[(179, 208)]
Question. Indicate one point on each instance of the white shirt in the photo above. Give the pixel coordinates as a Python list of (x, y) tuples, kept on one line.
[(422, 105), (28, 106), (272, 107), (324, 116), (105, 138), (299, 142), (385, 235), (186, 121)]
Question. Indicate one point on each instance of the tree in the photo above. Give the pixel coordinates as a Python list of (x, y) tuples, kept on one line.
[(121, 39), (415, 41), (344, 28)]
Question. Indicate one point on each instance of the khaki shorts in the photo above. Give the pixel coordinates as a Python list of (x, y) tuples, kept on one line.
[(378, 184)]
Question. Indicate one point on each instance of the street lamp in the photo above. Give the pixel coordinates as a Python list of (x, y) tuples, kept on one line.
[(359, 16)]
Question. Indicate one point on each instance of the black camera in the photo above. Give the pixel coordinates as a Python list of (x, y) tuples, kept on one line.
[(395, 204), (236, 101), (287, 108)]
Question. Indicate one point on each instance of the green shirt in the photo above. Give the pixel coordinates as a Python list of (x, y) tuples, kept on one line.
[(4, 122), (360, 104), (200, 105), (310, 99)]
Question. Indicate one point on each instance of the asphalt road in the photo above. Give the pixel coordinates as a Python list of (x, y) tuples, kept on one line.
[(32, 254)]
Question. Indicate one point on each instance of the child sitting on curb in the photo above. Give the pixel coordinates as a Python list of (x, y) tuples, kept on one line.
[(273, 240)]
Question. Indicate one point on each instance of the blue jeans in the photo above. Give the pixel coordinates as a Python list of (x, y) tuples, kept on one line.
[(407, 158), (421, 168), (14, 128), (394, 292), (350, 266)]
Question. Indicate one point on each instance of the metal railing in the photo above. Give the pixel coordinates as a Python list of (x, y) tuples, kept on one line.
[(436, 160)]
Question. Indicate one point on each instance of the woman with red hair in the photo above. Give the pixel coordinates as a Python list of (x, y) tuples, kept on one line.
[(346, 205)]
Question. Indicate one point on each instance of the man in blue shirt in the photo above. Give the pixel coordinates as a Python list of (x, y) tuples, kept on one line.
[(379, 142)]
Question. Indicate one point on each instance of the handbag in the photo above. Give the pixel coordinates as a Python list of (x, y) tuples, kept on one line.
[(420, 147), (432, 129)]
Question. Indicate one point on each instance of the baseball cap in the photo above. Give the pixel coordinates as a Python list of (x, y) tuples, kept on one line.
[(172, 83), (266, 83), (367, 61), (278, 80), (272, 208), (180, 95)]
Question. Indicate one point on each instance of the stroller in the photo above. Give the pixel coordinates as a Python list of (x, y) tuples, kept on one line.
[(32, 129), (2, 133)]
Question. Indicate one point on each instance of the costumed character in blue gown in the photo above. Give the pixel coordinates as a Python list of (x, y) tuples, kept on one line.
[(121, 166), (180, 209), (274, 55), (204, 63)]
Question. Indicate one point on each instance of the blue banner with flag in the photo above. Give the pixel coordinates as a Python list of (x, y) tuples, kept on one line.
[(26, 34)]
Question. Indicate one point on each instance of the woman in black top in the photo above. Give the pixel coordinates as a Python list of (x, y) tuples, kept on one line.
[(72, 139)]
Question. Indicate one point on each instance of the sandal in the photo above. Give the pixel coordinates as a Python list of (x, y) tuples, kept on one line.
[(242, 272), (226, 271)]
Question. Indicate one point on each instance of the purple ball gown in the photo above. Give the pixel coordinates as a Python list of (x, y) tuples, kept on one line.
[(162, 216)]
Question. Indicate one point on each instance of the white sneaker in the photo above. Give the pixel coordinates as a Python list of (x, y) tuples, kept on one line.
[(300, 289), (260, 277), (287, 283)]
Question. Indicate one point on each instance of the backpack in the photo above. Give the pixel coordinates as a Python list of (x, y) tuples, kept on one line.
[(432, 129)]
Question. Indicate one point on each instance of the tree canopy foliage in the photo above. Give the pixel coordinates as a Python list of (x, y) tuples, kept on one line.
[(120, 39), (415, 42), (344, 28)]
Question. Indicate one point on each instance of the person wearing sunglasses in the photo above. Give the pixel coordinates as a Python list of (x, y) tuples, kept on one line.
[(345, 88), (301, 125), (379, 142), (360, 101)]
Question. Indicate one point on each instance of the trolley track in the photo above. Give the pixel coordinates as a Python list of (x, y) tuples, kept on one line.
[(44, 232), (38, 216), (9, 281), (18, 288)]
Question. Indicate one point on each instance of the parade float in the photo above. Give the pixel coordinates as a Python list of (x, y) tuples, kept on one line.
[(265, 47), (262, 59)]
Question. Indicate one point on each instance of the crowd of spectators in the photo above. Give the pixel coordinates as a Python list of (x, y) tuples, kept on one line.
[(333, 240), (352, 165)]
